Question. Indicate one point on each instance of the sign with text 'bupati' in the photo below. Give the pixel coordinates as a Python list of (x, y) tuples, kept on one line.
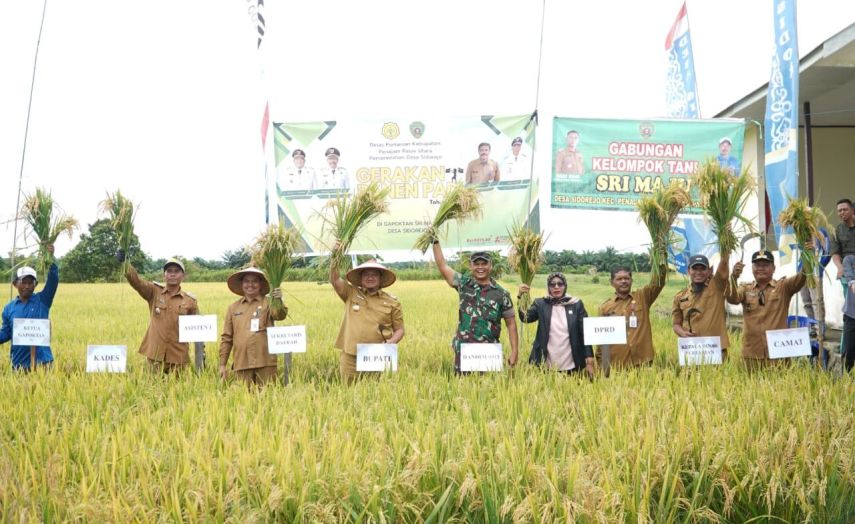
[(31, 332), (376, 357), (197, 328), (109, 359), (604, 330), (286, 339)]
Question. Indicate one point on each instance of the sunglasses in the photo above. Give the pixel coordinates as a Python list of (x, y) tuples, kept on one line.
[(556, 284)]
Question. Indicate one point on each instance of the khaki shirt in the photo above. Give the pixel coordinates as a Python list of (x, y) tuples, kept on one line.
[(639, 347), (250, 347), (368, 318), (478, 173), (712, 319), (160, 342), (569, 162), (759, 318)]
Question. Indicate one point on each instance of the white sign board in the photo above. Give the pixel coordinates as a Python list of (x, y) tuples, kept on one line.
[(787, 343), (31, 332), (110, 359), (481, 357), (197, 328), (286, 339), (604, 330), (696, 351), (376, 357)]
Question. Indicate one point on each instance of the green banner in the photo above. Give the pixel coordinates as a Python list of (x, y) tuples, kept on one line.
[(418, 160), (611, 164)]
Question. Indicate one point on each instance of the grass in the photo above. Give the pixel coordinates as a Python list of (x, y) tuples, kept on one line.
[(711, 445)]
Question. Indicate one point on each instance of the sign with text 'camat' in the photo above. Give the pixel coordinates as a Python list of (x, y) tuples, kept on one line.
[(696, 351), (788, 343), (31, 332), (481, 357), (109, 359), (604, 330), (376, 357), (286, 339), (197, 328)]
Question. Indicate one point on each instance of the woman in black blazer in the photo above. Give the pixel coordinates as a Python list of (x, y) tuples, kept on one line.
[(559, 342)]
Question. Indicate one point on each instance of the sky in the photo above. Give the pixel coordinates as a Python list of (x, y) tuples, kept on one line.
[(163, 100)]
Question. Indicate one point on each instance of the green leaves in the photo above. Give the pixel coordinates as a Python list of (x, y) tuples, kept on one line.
[(272, 252), (460, 203), (658, 213), (723, 198), (45, 225), (349, 216)]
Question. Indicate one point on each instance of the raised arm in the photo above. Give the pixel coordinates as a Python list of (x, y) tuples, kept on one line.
[(444, 269), (52, 282), (337, 282), (143, 287)]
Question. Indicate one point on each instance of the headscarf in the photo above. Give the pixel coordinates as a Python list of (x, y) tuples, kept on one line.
[(563, 299)]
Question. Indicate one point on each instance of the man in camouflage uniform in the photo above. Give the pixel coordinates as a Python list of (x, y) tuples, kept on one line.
[(482, 305)]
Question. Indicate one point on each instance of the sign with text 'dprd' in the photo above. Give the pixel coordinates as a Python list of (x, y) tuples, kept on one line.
[(286, 339), (788, 343), (481, 357), (697, 351), (197, 328), (376, 357), (604, 330), (31, 332), (109, 359)]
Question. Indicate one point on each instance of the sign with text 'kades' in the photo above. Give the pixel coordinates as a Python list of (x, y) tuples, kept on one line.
[(376, 357), (109, 359), (604, 330), (31, 332), (696, 351), (197, 328), (788, 343), (481, 357), (286, 339)]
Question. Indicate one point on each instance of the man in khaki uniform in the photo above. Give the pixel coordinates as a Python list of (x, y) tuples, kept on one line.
[(569, 160), (635, 306), (245, 328), (482, 170), (765, 304), (165, 303), (371, 315), (698, 310)]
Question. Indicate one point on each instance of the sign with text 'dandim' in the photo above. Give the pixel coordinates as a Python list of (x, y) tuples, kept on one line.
[(197, 328), (481, 357), (376, 357), (106, 359)]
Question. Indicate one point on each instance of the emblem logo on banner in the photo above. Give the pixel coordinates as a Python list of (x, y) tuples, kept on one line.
[(391, 131)]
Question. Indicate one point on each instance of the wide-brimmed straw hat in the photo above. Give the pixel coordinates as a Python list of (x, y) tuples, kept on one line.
[(234, 281), (387, 278)]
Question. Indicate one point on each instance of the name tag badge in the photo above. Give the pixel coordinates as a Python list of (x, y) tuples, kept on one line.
[(253, 325), (633, 321)]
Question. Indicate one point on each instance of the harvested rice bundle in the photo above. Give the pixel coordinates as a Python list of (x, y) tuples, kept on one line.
[(460, 203)]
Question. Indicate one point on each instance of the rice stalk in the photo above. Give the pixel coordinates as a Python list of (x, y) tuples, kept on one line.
[(525, 257), (350, 214), (38, 213), (723, 198), (806, 222), (460, 203), (658, 212), (121, 212), (273, 252)]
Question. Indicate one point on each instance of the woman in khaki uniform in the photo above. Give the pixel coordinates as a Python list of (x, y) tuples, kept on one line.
[(245, 328)]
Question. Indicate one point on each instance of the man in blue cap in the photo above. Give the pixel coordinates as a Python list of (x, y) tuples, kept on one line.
[(29, 304), (698, 310)]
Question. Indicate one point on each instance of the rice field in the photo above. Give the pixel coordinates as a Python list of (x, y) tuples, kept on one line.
[(652, 445)]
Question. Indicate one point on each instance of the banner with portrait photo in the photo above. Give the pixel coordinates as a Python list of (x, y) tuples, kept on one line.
[(418, 160), (611, 164)]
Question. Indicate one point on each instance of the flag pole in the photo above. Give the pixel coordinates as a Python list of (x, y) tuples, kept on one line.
[(24, 148), (536, 104)]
